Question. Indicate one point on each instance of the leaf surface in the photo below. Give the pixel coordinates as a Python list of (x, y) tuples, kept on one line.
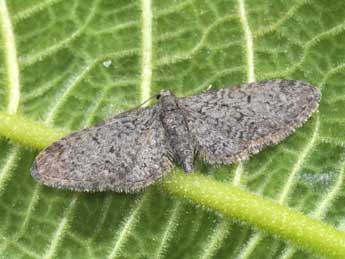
[(71, 64)]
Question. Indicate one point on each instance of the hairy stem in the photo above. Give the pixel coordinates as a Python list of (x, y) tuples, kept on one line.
[(308, 233), (28, 132)]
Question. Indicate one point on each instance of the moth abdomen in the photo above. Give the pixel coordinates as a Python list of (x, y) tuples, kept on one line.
[(177, 134)]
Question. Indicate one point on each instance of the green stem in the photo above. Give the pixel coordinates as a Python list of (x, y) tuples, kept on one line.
[(28, 132), (308, 233)]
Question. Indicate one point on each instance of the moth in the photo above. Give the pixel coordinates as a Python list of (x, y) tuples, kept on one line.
[(136, 148)]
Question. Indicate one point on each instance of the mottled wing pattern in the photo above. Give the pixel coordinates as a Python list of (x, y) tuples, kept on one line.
[(230, 124), (125, 153)]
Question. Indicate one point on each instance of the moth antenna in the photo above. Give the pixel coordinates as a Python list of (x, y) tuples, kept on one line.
[(147, 100)]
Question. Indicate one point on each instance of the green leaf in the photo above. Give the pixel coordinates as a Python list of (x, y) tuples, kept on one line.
[(70, 64)]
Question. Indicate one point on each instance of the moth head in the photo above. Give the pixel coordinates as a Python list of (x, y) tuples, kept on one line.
[(167, 99), (163, 93)]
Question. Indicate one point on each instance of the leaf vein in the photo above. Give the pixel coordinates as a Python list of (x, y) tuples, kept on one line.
[(30, 59), (122, 235), (249, 41), (11, 61), (170, 228), (27, 13), (146, 63), (61, 230), (301, 158)]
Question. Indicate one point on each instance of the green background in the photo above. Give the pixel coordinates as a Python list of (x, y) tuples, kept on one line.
[(70, 64)]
